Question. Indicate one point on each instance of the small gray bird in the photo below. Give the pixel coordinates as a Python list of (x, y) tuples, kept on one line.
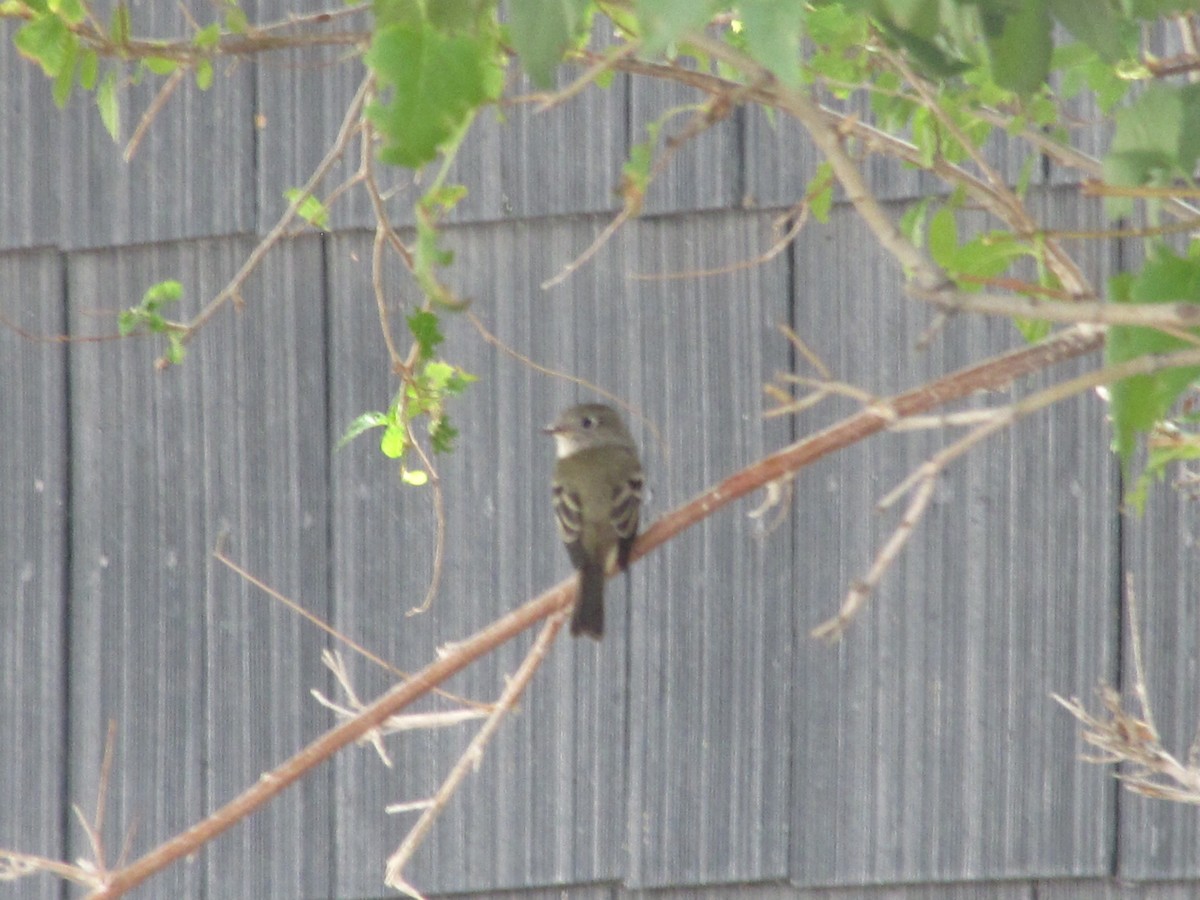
[(597, 492)]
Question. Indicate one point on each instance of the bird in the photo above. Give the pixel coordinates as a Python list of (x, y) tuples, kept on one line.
[(597, 497)]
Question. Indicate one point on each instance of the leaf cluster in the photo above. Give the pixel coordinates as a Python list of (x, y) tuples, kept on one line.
[(946, 75)]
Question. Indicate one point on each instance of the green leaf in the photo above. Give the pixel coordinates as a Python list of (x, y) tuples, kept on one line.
[(208, 37), (1157, 136), (311, 210), (109, 104), (1142, 401), (176, 350), (1180, 447), (819, 192), (235, 19), (987, 255), (461, 16), (89, 69), (426, 329), (395, 439), (160, 65), (70, 11), (666, 22), (930, 56), (1019, 43), (361, 424), (1153, 9), (47, 41), (65, 79), (204, 74), (832, 25), (444, 378), (435, 81), (912, 223), (542, 30), (943, 236), (414, 477), (1032, 330), (772, 30), (1100, 24), (438, 373), (442, 435), (446, 196), (128, 321), (636, 169), (118, 24), (393, 12), (162, 293)]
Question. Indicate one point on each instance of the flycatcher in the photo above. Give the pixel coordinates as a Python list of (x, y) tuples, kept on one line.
[(597, 491)]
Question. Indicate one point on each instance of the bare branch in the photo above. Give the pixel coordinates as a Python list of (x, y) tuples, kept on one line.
[(156, 105), (233, 290), (221, 557), (923, 479), (717, 109), (1149, 315), (992, 373), (470, 757)]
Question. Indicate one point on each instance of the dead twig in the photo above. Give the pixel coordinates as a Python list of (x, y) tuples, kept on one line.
[(992, 373), (222, 557), (470, 758), (922, 480), (233, 290), (1131, 737)]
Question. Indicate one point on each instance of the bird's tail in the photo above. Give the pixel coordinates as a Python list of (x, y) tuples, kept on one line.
[(589, 607)]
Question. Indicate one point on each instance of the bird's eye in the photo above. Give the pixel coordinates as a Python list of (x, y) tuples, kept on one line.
[(587, 421)]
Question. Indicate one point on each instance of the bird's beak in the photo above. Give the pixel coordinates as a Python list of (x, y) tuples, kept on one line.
[(550, 429)]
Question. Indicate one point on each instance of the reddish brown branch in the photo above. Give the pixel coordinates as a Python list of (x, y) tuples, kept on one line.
[(991, 374), (988, 375)]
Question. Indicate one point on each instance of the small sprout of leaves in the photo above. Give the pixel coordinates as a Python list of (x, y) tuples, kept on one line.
[(208, 37), (311, 210), (361, 424), (160, 65), (395, 439), (425, 328), (147, 318), (415, 477), (204, 74), (442, 435)]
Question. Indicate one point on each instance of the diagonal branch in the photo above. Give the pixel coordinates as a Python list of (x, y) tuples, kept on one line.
[(990, 374)]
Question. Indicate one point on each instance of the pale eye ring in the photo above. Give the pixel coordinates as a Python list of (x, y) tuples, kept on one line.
[(587, 421)]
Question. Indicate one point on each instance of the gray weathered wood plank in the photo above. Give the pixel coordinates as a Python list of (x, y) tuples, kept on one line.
[(547, 805), (205, 678), (926, 746), (31, 179), (33, 560), (193, 173), (524, 163), (982, 891), (710, 631), (707, 171), (1158, 838)]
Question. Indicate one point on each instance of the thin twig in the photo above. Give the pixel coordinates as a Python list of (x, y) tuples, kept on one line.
[(221, 557), (439, 541), (797, 216), (232, 290), (702, 119), (992, 373), (470, 757), (504, 348), (1149, 315), (160, 100), (547, 100), (924, 477)]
